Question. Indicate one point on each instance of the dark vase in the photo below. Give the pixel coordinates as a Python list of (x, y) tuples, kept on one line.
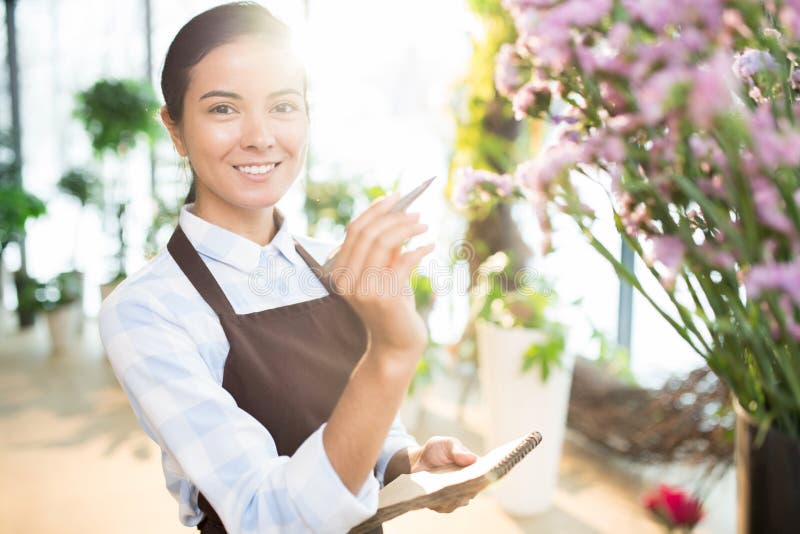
[(767, 479)]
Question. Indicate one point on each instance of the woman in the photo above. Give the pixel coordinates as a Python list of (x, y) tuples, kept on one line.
[(271, 388)]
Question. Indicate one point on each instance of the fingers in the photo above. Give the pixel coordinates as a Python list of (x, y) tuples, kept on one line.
[(378, 207), (389, 240), (373, 245), (460, 454), (446, 508), (407, 261)]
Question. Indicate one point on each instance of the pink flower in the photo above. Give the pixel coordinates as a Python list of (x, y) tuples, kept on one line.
[(613, 150), (790, 17), (532, 98), (784, 277), (660, 15), (471, 185), (673, 507), (507, 75), (772, 146), (578, 13), (770, 207), (653, 93), (669, 251), (614, 100), (711, 90), (538, 173)]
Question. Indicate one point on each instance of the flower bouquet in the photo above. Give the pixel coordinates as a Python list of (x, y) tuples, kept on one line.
[(685, 113)]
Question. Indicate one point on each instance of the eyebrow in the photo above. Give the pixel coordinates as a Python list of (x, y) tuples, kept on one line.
[(235, 96)]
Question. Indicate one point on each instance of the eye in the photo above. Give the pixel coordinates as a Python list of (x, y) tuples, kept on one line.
[(286, 107), (222, 109)]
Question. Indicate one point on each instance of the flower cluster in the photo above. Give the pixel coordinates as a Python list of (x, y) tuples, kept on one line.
[(691, 109), (476, 192)]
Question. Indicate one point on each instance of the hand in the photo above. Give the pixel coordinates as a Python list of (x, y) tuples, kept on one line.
[(372, 274), (443, 452)]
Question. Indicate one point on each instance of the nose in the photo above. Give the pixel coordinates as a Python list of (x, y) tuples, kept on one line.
[(257, 133)]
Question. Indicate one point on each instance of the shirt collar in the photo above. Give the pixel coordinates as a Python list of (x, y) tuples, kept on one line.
[(231, 248)]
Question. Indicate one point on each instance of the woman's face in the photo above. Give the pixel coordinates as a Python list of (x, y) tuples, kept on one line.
[(244, 125)]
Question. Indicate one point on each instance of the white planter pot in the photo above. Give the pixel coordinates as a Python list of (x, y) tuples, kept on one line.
[(65, 324), (519, 402)]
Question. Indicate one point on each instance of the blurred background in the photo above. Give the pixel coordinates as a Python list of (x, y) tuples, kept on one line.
[(398, 92)]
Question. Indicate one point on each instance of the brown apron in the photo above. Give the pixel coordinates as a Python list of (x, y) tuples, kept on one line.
[(287, 366)]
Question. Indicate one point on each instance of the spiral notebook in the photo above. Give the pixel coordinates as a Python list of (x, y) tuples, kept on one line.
[(429, 488)]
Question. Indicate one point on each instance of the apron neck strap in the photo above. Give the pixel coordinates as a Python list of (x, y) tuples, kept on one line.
[(315, 267), (187, 258)]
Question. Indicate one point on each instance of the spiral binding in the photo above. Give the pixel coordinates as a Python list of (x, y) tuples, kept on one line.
[(513, 458)]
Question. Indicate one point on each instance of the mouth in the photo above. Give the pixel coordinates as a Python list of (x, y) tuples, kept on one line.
[(257, 172)]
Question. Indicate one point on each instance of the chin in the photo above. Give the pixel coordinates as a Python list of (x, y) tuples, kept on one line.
[(257, 200)]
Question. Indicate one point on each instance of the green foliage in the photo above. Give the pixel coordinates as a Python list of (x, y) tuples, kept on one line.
[(614, 358), (116, 112), (16, 207), (546, 354), (63, 289), (82, 185), (333, 200), (423, 292), (525, 307)]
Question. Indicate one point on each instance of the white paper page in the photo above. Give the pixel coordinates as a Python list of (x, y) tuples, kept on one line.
[(409, 486)]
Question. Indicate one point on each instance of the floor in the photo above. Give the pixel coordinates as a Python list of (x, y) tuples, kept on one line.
[(74, 459)]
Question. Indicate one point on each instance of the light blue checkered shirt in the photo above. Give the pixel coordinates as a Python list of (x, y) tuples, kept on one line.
[(168, 351)]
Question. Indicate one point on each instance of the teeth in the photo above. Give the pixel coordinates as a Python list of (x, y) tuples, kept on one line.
[(257, 169)]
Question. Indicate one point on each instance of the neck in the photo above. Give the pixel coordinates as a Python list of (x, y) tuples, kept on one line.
[(255, 224)]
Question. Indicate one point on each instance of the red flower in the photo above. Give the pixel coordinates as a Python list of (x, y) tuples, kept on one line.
[(674, 507)]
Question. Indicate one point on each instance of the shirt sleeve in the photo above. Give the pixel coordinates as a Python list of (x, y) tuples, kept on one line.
[(397, 439), (226, 453)]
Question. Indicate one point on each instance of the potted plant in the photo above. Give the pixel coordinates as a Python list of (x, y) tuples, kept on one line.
[(16, 207), (60, 298), (525, 378), (687, 117), (118, 114), (86, 188)]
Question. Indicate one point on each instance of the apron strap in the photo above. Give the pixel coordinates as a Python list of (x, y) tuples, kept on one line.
[(187, 258), (313, 264), (316, 268)]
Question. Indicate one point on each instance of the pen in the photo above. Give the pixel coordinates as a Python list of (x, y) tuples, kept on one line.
[(404, 202)]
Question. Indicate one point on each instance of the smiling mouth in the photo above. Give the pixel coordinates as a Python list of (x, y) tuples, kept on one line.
[(256, 170)]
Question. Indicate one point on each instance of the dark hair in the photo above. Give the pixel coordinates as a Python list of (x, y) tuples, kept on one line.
[(206, 31)]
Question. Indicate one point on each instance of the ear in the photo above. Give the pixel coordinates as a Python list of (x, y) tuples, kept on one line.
[(174, 132)]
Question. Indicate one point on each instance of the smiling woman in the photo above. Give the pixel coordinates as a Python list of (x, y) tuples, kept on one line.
[(276, 408), (242, 122)]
